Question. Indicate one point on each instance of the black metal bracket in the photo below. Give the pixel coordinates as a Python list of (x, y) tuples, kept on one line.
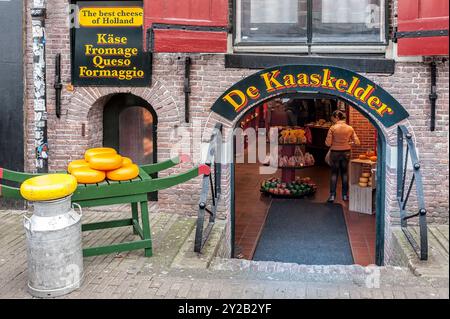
[(58, 85), (433, 96), (404, 191), (185, 27), (210, 186), (150, 39), (187, 87), (419, 34), (263, 61)]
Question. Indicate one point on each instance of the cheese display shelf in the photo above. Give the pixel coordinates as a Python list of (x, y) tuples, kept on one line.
[(292, 152), (362, 185)]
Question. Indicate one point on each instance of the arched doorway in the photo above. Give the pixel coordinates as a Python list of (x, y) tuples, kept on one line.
[(378, 106), (130, 127), (264, 232)]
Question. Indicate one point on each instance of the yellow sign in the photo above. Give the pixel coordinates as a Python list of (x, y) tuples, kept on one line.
[(111, 17)]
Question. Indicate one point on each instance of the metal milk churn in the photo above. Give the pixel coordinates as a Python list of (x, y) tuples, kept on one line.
[(55, 257)]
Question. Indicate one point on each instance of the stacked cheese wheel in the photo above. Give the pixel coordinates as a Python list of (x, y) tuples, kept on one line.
[(101, 163), (365, 180)]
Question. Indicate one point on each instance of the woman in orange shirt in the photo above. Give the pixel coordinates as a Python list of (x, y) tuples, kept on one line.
[(339, 138)]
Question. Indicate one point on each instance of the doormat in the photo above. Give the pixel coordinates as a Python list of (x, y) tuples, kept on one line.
[(303, 232)]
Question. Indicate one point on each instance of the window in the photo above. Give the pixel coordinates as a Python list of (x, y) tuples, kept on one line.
[(273, 21), (310, 22)]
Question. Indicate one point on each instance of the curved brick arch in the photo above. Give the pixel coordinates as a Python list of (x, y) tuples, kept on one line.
[(86, 108), (369, 98), (165, 106)]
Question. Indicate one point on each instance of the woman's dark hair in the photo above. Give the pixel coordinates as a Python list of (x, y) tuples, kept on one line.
[(339, 115)]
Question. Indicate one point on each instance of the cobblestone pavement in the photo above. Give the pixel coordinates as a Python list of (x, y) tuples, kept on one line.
[(130, 275)]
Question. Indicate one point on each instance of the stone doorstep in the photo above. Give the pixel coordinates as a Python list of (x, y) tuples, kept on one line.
[(188, 259), (437, 265)]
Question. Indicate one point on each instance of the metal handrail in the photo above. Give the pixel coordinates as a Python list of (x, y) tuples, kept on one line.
[(402, 197), (210, 185)]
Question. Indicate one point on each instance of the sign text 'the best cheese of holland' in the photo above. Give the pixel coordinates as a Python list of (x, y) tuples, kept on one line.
[(108, 45)]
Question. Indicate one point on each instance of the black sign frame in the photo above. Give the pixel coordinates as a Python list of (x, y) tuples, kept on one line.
[(144, 59), (283, 79)]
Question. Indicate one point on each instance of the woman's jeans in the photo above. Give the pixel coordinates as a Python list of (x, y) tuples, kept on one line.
[(339, 165)]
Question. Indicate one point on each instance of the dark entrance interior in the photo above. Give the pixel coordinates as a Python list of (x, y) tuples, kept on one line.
[(130, 127), (259, 220)]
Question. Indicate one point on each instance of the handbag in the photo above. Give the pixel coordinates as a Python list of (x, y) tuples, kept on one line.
[(328, 157)]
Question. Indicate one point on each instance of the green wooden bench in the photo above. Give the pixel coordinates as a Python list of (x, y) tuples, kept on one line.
[(109, 192)]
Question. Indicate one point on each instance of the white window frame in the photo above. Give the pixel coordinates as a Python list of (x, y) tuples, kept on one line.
[(240, 46)]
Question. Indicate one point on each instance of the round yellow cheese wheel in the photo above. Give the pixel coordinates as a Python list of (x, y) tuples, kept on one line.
[(363, 184), (48, 187), (96, 151), (105, 162), (363, 179), (365, 174), (77, 164), (86, 175), (124, 173), (126, 161)]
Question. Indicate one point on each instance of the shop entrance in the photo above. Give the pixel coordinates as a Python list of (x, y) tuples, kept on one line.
[(129, 126), (376, 105), (281, 211)]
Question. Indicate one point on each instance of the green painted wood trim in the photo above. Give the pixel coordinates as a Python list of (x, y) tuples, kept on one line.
[(169, 181), (143, 174), (17, 176), (111, 200), (107, 224), (10, 192), (146, 233), (154, 168), (135, 216), (104, 193), (117, 248), (137, 229)]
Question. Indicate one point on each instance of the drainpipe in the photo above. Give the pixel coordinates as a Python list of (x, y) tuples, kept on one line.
[(38, 13), (433, 96)]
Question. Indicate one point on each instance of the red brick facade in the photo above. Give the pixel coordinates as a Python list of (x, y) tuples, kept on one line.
[(410, 85), (366, 132)]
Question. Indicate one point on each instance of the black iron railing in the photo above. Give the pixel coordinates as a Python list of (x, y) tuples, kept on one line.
[(404, 191), (210, 195)]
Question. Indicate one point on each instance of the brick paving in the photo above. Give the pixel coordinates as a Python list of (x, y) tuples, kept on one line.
[(130, 275)]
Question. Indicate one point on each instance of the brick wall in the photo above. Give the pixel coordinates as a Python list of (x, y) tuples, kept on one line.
[(366, 133), (410, 85)]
